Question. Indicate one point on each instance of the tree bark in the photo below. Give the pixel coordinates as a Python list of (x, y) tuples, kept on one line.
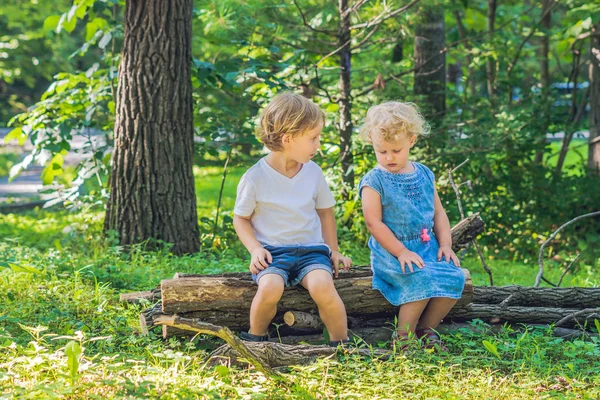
[(594, 141), (152, 185), (345, 100), (430, 78)]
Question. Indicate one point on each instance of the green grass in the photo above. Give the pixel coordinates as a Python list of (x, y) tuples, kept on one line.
[(576, 159), (60, 280)]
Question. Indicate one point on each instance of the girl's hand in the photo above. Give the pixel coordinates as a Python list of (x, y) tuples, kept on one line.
[(448, 253), (409, 258), (336, 259), (260, 258)]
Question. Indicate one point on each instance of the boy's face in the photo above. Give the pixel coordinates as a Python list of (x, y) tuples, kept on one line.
[(304, 147), (393, 155)]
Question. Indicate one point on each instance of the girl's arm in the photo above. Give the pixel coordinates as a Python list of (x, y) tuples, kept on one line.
[(372, 211), (441, 224), (441, 227)]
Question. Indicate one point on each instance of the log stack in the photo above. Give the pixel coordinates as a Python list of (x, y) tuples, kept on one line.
[(225, 300)]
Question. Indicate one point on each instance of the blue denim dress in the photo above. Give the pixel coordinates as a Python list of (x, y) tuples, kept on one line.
[(407, 208)]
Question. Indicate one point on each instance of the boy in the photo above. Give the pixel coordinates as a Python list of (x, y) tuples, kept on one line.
[(284, 217)]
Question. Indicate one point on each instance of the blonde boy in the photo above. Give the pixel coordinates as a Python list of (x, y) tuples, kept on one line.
[(284, 217)]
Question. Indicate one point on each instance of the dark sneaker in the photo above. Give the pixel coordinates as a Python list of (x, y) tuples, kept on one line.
[(253, 338)]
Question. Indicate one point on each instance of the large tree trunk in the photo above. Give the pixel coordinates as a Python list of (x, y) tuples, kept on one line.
[(594, 149), (152, 185), (430, 60), (345, 100)]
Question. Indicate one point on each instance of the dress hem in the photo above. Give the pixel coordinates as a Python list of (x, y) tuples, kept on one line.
[(429, 296)]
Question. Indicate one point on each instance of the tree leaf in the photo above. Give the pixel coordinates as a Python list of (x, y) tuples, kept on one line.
[(51, 22)]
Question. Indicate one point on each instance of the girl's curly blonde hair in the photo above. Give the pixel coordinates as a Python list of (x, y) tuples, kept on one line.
[(287, 113), (392, 121)]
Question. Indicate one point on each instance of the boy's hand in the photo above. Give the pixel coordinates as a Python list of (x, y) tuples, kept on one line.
[(336, 259), (260, 258), (448, 253), (408, 258)]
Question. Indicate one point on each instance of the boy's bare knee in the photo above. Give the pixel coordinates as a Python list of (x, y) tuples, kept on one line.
[(270, 288), (320, 286)]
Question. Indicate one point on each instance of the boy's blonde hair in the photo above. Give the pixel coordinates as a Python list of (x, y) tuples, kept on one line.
[(392, 121), (287, 113)]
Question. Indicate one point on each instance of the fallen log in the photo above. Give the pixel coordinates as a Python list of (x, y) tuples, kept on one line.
[(532, 315), (573, 297), (234, 292)]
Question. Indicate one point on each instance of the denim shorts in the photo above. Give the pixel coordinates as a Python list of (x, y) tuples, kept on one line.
[(292, 263)]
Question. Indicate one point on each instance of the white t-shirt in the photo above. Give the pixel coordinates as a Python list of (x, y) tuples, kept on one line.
[(284, 210)]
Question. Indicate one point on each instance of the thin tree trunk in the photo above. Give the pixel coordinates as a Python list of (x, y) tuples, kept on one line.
[(152, 185), (471, 82), (430, 78), (594, 149), (545, 80), (345, 101), (491, 64)]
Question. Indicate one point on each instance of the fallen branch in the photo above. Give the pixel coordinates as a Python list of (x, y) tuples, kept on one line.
[(222, 332), (263, 356), (540, 274)]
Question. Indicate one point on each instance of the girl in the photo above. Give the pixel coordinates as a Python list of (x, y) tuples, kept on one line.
[(411, 246)]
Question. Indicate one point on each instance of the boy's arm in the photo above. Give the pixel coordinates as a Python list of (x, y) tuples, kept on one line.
[(328, 228), (329, 232), (371, 207), (260, 258), (244, 230)]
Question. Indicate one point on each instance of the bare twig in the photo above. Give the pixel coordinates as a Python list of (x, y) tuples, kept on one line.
[(588, 312), (462, 215), (548, 282), (321, 87), (305, 21), (515, 59), (214, 234), (567, 270), (220, 331), (384, 16), (552, 236), (354, 8), (460, 209)]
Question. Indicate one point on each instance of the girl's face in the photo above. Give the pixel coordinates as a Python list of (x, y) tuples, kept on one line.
[(303, 147), (393, 155)]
